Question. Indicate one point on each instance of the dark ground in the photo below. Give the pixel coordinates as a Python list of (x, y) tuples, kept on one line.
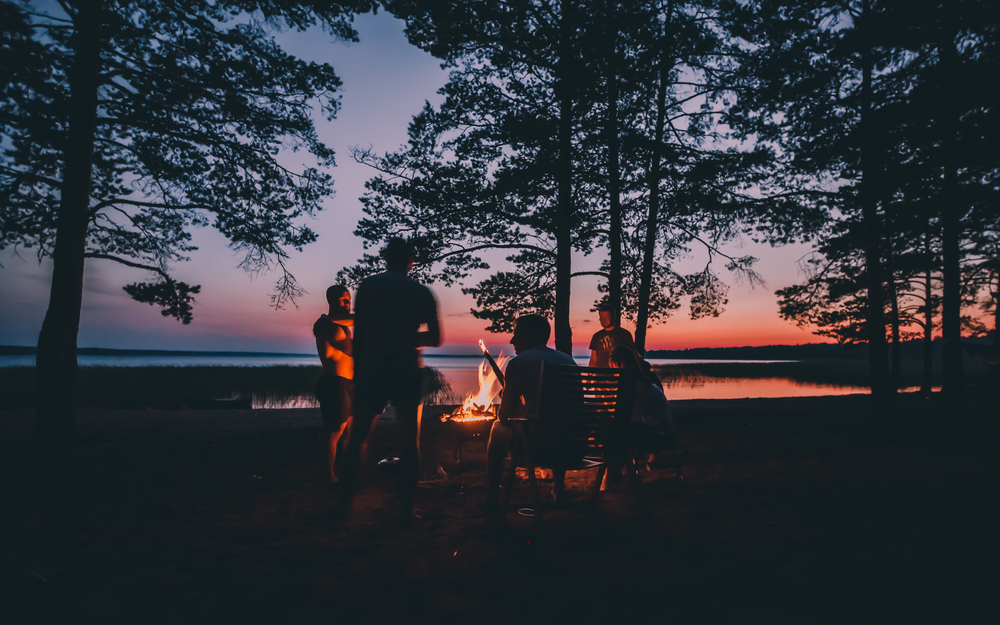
[(793, 511)]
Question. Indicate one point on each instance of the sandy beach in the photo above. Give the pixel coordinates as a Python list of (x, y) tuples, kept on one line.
[(805, 510)]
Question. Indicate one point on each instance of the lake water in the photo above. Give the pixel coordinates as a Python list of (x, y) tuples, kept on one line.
[(462, 373)]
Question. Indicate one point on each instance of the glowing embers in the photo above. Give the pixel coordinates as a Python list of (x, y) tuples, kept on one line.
[(480, 406)]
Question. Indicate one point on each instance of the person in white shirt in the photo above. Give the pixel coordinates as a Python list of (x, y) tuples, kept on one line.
[(521, 395)]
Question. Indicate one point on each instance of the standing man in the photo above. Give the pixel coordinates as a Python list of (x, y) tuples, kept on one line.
[(611, 336), (521, 394), (389, 313), (335, 386)]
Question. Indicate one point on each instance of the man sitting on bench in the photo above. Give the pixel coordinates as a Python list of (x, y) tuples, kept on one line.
[(521, 394)]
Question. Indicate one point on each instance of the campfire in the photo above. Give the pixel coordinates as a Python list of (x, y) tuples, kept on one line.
[(479, 406)]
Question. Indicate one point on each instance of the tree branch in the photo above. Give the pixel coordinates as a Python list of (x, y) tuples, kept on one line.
[(490, 247), (129, 263)]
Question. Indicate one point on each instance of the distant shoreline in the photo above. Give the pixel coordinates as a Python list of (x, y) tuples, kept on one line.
[(24, 350), (808, 351)]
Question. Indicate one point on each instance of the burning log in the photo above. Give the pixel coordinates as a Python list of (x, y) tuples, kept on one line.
[(480, 406), (493, 363)]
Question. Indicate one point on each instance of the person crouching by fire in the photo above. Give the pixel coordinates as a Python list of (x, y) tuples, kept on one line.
[(521, 394), (335, 387), (389, 312)]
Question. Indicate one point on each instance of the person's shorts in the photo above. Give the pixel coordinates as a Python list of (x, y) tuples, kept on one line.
[(335, 396), (377, 386)]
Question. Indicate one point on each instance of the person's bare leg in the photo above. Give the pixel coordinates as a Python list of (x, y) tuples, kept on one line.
[(351, 465), (496, 451), (408, 424), (559, 485), (331, 451)]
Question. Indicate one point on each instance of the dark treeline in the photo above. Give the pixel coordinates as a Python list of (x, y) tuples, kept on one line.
[(651, 131), (19, 350), (910, 350), (656, 129)]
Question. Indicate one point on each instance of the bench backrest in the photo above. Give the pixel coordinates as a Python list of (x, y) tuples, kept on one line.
[(583, 411)]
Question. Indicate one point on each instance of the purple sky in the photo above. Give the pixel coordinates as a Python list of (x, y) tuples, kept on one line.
[(386, 81)]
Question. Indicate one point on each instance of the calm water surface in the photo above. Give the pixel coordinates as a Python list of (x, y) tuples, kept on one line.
[(462, 373)]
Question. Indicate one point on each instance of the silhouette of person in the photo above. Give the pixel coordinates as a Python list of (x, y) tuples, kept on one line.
[(335, 387), (652, 425), (521, 394), (609, 337), (389, 311)]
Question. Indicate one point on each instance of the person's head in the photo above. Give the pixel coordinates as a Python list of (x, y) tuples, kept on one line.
[(399, 255), (530, 331), (608, 315), (623, 357), (339, 297)]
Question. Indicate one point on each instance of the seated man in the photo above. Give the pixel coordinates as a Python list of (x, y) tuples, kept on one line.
[(521, 394)]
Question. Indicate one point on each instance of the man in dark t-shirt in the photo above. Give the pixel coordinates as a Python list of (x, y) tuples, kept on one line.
[(389, 310), (608, 338)]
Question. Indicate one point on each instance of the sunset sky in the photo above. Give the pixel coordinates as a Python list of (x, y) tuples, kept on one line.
[(386, 81)]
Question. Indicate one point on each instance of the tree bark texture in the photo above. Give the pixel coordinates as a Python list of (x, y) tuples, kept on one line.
[(56, 365), (925, 384), (875, 311), (564, 241), (652, 227), (895, 353), (951, 228), (614, 175)]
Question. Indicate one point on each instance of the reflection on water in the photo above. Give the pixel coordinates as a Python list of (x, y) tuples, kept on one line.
[(705, 387), (696, 386), (676, 388)]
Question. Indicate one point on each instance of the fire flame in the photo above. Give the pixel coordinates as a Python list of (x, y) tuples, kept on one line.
[(479, 406)]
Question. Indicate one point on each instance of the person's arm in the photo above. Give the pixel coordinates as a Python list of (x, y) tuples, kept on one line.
[(595, 344), (432, 336), (510, 401), (346, 320), (360, 306)]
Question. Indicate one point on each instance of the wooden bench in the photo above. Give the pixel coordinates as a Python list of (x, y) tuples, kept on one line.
[(583, 422)]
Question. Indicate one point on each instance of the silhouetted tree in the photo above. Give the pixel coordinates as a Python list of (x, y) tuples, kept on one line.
[(533, 96), (878, 97), (692, 186), (498, 165), (126, 123)]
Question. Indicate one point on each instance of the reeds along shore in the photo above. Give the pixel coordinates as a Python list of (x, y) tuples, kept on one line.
[(166, 387)]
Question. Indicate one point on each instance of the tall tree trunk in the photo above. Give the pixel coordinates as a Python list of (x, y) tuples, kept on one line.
[(875, 317), (996, 318), (614, 174), (652, 225), (951, 309), (564, 231), (55, 419), (894, 312), (925, 384)]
